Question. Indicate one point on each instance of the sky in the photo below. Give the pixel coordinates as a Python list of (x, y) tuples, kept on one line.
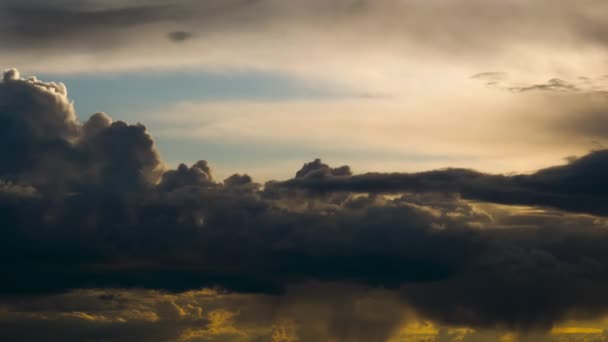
[(272, 170)]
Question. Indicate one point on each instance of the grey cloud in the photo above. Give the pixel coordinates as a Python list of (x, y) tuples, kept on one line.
[(581, 85), (578, 186), (316, 169), (592, 122), (44, 144), (198, 174), (46, 25), (470, 28), (90, 206), (554, 84), (179, 36), (109, 24), (117, 316), (314, 312), (576, 108), (491, 76), (37, 123), (10, 75), (75, 329), (96, 123)]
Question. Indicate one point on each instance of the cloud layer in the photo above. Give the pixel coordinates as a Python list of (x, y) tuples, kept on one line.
[(347, 33), (579, 186), (91, 205), (100, 240)]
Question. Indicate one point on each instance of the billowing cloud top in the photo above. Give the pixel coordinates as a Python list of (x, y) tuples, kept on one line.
[(44, 144)]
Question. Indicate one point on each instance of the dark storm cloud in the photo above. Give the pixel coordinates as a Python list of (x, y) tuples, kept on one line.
[(87, 205), (579, 186)]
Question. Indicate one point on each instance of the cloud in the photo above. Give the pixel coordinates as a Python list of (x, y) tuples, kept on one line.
[(317, 169), (577, 186), (554, 84), (491, 76), (44, 144), (36, 23), (90, 205), (179, 36), (396, 36), (581, 84), (580, 22), (307, 313), (573, 109), (97, 315), (313, 312)]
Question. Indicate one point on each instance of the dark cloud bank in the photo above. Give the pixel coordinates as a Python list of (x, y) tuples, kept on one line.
[(90, 205), (579, 186)]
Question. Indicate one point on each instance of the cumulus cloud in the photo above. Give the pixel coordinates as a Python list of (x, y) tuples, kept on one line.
[(44, 144), (316, 169), (90, 205)]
